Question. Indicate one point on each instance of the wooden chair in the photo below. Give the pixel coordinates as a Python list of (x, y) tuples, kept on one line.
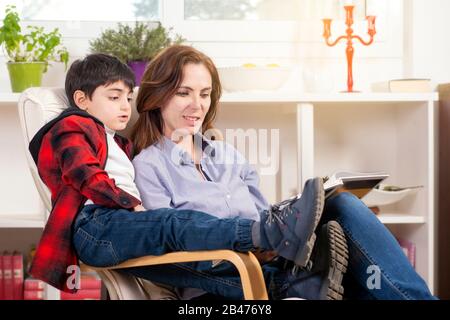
[(37, 106)]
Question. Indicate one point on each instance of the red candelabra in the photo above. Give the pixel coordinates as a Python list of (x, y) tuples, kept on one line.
[(349, 37)]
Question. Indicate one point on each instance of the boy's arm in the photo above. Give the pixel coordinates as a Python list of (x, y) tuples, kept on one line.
[(82, 169)]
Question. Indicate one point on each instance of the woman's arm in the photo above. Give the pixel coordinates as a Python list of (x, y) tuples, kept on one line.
[(154, 193), (251, 178)]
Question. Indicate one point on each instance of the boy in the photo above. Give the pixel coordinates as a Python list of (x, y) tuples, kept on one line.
[(97, 214)]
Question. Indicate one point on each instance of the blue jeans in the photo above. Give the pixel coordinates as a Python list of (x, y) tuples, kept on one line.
[(371, 244), (105, 237)]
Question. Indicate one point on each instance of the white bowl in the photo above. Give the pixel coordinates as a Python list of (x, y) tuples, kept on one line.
[(254, 78), (377, 197)]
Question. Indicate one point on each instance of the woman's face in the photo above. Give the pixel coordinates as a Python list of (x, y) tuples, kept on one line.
[(184, 113)]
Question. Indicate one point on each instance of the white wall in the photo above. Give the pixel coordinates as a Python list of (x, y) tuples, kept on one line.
[(418, 50), (427, 42), (300, 46)]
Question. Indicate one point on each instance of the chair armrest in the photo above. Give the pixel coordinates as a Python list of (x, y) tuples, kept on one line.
[(247, 265)]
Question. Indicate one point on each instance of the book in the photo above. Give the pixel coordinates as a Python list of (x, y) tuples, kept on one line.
[(90, 281), (17, 268), (409, 249), (1, 278), (357, 183), (33, 284), (403, 85), (34, 294), (83, 294), (8, 282), (33, 289)]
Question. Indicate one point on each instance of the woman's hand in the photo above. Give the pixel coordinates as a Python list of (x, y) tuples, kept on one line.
[(139, 208)]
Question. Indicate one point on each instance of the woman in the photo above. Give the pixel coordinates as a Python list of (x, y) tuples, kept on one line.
[(179, 165)]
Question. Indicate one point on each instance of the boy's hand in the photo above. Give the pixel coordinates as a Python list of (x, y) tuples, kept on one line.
[(139, 208)]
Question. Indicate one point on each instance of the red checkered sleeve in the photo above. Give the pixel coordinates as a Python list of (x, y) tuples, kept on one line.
[(75, 148)]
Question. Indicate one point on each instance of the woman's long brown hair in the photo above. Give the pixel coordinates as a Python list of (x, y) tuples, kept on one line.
[(160, 82)]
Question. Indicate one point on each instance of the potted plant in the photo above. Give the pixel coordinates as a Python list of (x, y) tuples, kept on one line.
[(29, 54), (136, 45)]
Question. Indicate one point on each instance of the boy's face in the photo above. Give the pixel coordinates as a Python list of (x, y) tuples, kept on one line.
[(110, 104)]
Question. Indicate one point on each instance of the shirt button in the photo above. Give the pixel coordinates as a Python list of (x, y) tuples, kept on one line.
[(228, 196)]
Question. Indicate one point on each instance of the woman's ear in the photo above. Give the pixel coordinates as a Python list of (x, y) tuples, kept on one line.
[(80, 99)]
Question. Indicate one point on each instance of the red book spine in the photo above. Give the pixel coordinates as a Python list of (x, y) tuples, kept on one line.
[(17, 261), (83, 294), (1, 279), (33, 295), (8, 277), (90, 282), (33, 284), (409, 249)]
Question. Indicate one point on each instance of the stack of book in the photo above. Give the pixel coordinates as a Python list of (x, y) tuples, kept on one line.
[(90, 289), (403, 86), (11, 276), (34, 289)]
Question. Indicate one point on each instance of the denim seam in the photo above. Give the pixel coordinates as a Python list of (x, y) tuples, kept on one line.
[(369, 258), (209, 277), (82, 234), (94, 241), (96, 219), (244, 235)]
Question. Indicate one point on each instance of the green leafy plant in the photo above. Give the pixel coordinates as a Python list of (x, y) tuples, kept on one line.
[(35, 46), (138, 43)]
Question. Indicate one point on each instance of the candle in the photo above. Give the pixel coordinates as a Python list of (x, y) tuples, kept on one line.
[(371, 28), (372, 8), (328, 10), (326, 28)]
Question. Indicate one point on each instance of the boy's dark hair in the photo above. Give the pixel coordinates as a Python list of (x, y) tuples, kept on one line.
[(96, 70)]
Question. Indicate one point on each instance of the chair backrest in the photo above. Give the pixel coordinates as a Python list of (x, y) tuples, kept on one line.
[(37, 106)]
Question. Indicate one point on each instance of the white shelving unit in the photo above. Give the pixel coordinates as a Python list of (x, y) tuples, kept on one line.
[(22, 215), (319, 133), (361, 132)]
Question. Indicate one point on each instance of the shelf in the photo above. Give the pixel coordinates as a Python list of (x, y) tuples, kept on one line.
[(31, 221), (399, 218), (297, 97), (9, 97)]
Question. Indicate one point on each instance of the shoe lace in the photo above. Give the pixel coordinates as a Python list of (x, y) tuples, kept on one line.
[(295, 269), (280, 210)]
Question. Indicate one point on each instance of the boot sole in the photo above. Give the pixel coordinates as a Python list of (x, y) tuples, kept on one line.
[(333, 253), (304, 254)]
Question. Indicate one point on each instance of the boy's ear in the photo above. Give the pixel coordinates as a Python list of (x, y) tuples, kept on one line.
[(80, 99)]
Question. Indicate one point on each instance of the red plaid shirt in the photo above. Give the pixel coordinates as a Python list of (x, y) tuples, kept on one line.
[(71, 153)]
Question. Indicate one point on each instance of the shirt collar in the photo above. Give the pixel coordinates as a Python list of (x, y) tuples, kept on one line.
[(110, 131), (180, 156)]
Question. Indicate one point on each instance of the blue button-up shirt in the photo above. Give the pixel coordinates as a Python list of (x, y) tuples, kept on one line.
[(167, 177)]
